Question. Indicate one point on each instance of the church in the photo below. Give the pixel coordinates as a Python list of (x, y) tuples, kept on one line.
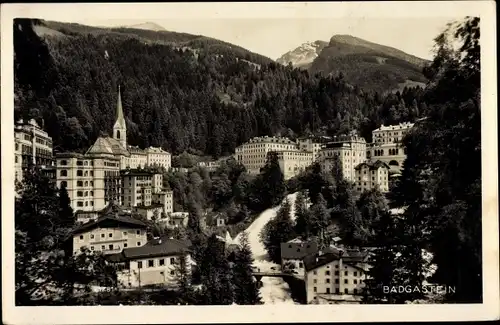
[(130, 156), (94, 179)]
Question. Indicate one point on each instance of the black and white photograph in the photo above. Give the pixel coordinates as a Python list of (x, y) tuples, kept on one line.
[(315, 161)]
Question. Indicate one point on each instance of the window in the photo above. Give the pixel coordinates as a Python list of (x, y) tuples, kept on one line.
[(355, 281), (336, 272), (138, 232), (79, 203), (103, 247), (337, 281), (172, 260), (346, 281), (327, 280), (327, 272), (172, 272), (346, 273), (315, 289), (162, 261), (64, 184), (91, 248), (103, 235), (336, 266), (79, 173), (337, 290), (81, 236), (91, 236), (138, 243), (355, 273), (315, 281), (111, 246), (315, 273), (327, 290), (125, 234), (79, 193), (79, 183), (346, 290), (64, 172), (151, 263), (139, 264), (110, 235), (125, 245)]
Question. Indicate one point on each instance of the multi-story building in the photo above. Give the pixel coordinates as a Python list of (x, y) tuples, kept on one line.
[(153, 263), (158, 157), (370, 175), (92, 180), (292, 162), (109, 234), (387, 146), (137, 187), (253, 154), (313, 144), (346, 150), (165, 199), (335, 276), (293, 254), (33, 146)]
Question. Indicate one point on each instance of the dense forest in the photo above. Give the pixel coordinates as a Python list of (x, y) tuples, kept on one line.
[(181, 92)]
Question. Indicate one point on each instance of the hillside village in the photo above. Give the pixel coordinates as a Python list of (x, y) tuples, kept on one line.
[(312, 217)]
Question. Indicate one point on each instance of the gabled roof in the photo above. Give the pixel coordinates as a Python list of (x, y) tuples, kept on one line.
[(159, 247), (373, 165), (110, 221), (107, 145), (295, 250), (330, 254)]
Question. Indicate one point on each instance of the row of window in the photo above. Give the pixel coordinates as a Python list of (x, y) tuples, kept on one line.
[(159, 262), (113, 247), (346, 281), (337, 291), (346, 273), (110, 235)]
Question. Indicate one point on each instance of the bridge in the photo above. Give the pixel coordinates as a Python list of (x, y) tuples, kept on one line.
[(258, 275)]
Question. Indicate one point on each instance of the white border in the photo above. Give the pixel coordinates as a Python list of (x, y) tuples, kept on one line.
[(278, 313)]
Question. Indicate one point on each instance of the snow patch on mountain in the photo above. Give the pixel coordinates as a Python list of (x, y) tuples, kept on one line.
[(303, 55)]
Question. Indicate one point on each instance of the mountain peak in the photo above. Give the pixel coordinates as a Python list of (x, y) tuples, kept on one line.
[(147, 26), (303, 55)]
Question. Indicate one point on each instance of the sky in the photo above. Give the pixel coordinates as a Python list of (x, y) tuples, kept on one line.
[(274, 37)]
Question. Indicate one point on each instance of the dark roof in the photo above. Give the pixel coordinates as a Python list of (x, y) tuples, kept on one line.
[(136, 172), (330, 254), (298, 250), (114, 258), (147, 207), (373, 165), (163, 247), (107, 221)]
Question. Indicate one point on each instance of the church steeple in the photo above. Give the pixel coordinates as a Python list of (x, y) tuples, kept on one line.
[(120, 127)]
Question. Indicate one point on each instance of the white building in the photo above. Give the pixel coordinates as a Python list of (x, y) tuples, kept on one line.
[(292, 162), (33, 146), (313, 144), (370, 175), (387, 146), (152, 264), (109, 234), (335, 276), (348, 150), (92, 180), (293, 254)]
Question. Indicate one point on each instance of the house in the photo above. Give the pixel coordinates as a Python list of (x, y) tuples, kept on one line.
[(293, 253), (220, 220), (150, 211), (335, 276), (109, 233), (176, 219), (370, 175), (152, 264)]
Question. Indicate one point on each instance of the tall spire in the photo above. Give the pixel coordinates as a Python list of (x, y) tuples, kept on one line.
[(119, 109)]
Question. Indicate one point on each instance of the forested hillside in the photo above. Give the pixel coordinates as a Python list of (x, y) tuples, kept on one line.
[(181, 91)]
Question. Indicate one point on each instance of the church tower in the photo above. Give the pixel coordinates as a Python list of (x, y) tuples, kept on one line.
[(120, 127)]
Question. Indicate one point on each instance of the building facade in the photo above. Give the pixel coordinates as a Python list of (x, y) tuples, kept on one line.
[(92, 180), (347, 150), (387, 145), (253, 154), (292, 162), (335, 277), (109, 234), (33, 146), (313, 144), (153, 263), (293, 254), (371, 175)]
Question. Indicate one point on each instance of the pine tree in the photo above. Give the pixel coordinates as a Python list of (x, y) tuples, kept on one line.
[(182, 278), (272, 190), (278, 230), (382, 263), (246, 291), (319, 219), (302, 214), (216, 274), (65, 210)]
